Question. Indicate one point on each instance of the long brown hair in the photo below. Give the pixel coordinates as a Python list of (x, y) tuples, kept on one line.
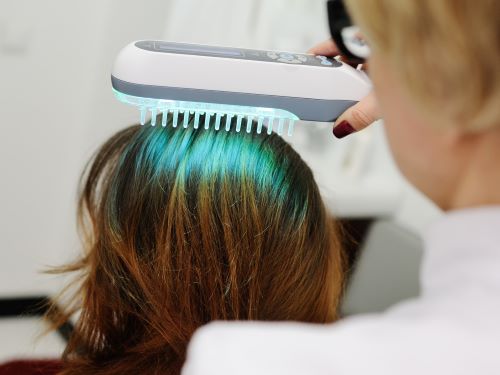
[(182, 227)]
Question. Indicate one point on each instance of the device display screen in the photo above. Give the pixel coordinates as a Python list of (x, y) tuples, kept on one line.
[(236, 53), (198, 50)]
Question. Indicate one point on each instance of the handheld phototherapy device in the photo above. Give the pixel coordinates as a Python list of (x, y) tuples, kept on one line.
[(233, 88)]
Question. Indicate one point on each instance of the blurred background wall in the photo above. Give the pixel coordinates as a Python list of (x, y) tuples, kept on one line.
[(56, 104), (56, 107)]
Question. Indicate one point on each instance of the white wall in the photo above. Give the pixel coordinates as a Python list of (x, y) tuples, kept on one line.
[(56, 105), (293, 25)]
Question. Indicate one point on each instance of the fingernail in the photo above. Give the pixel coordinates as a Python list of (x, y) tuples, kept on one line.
[(343, 129)]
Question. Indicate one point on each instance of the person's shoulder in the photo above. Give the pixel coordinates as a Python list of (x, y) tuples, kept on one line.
[(433, 336), (414, 337)]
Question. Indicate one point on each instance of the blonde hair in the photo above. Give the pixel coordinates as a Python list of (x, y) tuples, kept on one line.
[(445, 52)]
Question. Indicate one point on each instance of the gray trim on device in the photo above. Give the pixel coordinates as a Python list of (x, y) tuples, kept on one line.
[(306, 109)]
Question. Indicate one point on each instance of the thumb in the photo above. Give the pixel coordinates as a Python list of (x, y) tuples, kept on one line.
[(357, 117)]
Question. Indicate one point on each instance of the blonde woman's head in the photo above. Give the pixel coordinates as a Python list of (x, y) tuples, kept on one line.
[(434, 66), (445, 52)]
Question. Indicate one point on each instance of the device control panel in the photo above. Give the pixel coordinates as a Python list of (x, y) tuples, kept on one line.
[(237, 53)]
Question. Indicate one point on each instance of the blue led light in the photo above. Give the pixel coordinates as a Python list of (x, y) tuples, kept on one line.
[(153, 116), (238, 123), (228, 122), (207, 120), (217, 121), (281, 124), (291, 125), (164, 118), (261, 115), (249, 124), (270, 126), (176, 118), (260, 122), (143, 115), (196, 120)]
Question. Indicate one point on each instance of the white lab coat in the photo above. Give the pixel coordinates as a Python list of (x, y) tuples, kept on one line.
[(453, 328)]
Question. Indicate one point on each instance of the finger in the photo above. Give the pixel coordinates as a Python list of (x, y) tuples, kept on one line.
[(327, 48), (357, 117), (364, 67)]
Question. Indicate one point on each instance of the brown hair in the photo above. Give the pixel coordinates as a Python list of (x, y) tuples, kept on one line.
[(182, 227)]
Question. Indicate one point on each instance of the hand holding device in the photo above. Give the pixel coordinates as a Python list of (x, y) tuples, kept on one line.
[(360, 115)]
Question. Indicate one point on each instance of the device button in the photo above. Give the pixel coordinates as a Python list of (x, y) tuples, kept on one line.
[(302, 58), (324, 60), (272, 55), (287, 56), (290, 61)]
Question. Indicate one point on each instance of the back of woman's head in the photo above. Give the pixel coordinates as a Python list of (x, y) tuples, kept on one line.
[(187, 226)]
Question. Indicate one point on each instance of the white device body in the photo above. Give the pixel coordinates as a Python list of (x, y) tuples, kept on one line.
[(297, 80)]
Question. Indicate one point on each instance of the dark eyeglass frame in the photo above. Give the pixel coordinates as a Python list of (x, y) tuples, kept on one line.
[(339, 19)]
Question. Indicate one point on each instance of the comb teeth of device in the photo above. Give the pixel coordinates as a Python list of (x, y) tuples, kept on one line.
[(218, 120), (206, 115)]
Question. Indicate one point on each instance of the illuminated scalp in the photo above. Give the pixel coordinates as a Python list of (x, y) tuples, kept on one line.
[(187, 226)]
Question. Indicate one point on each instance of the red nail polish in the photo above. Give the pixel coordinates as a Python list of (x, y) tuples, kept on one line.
[(343, 129)]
